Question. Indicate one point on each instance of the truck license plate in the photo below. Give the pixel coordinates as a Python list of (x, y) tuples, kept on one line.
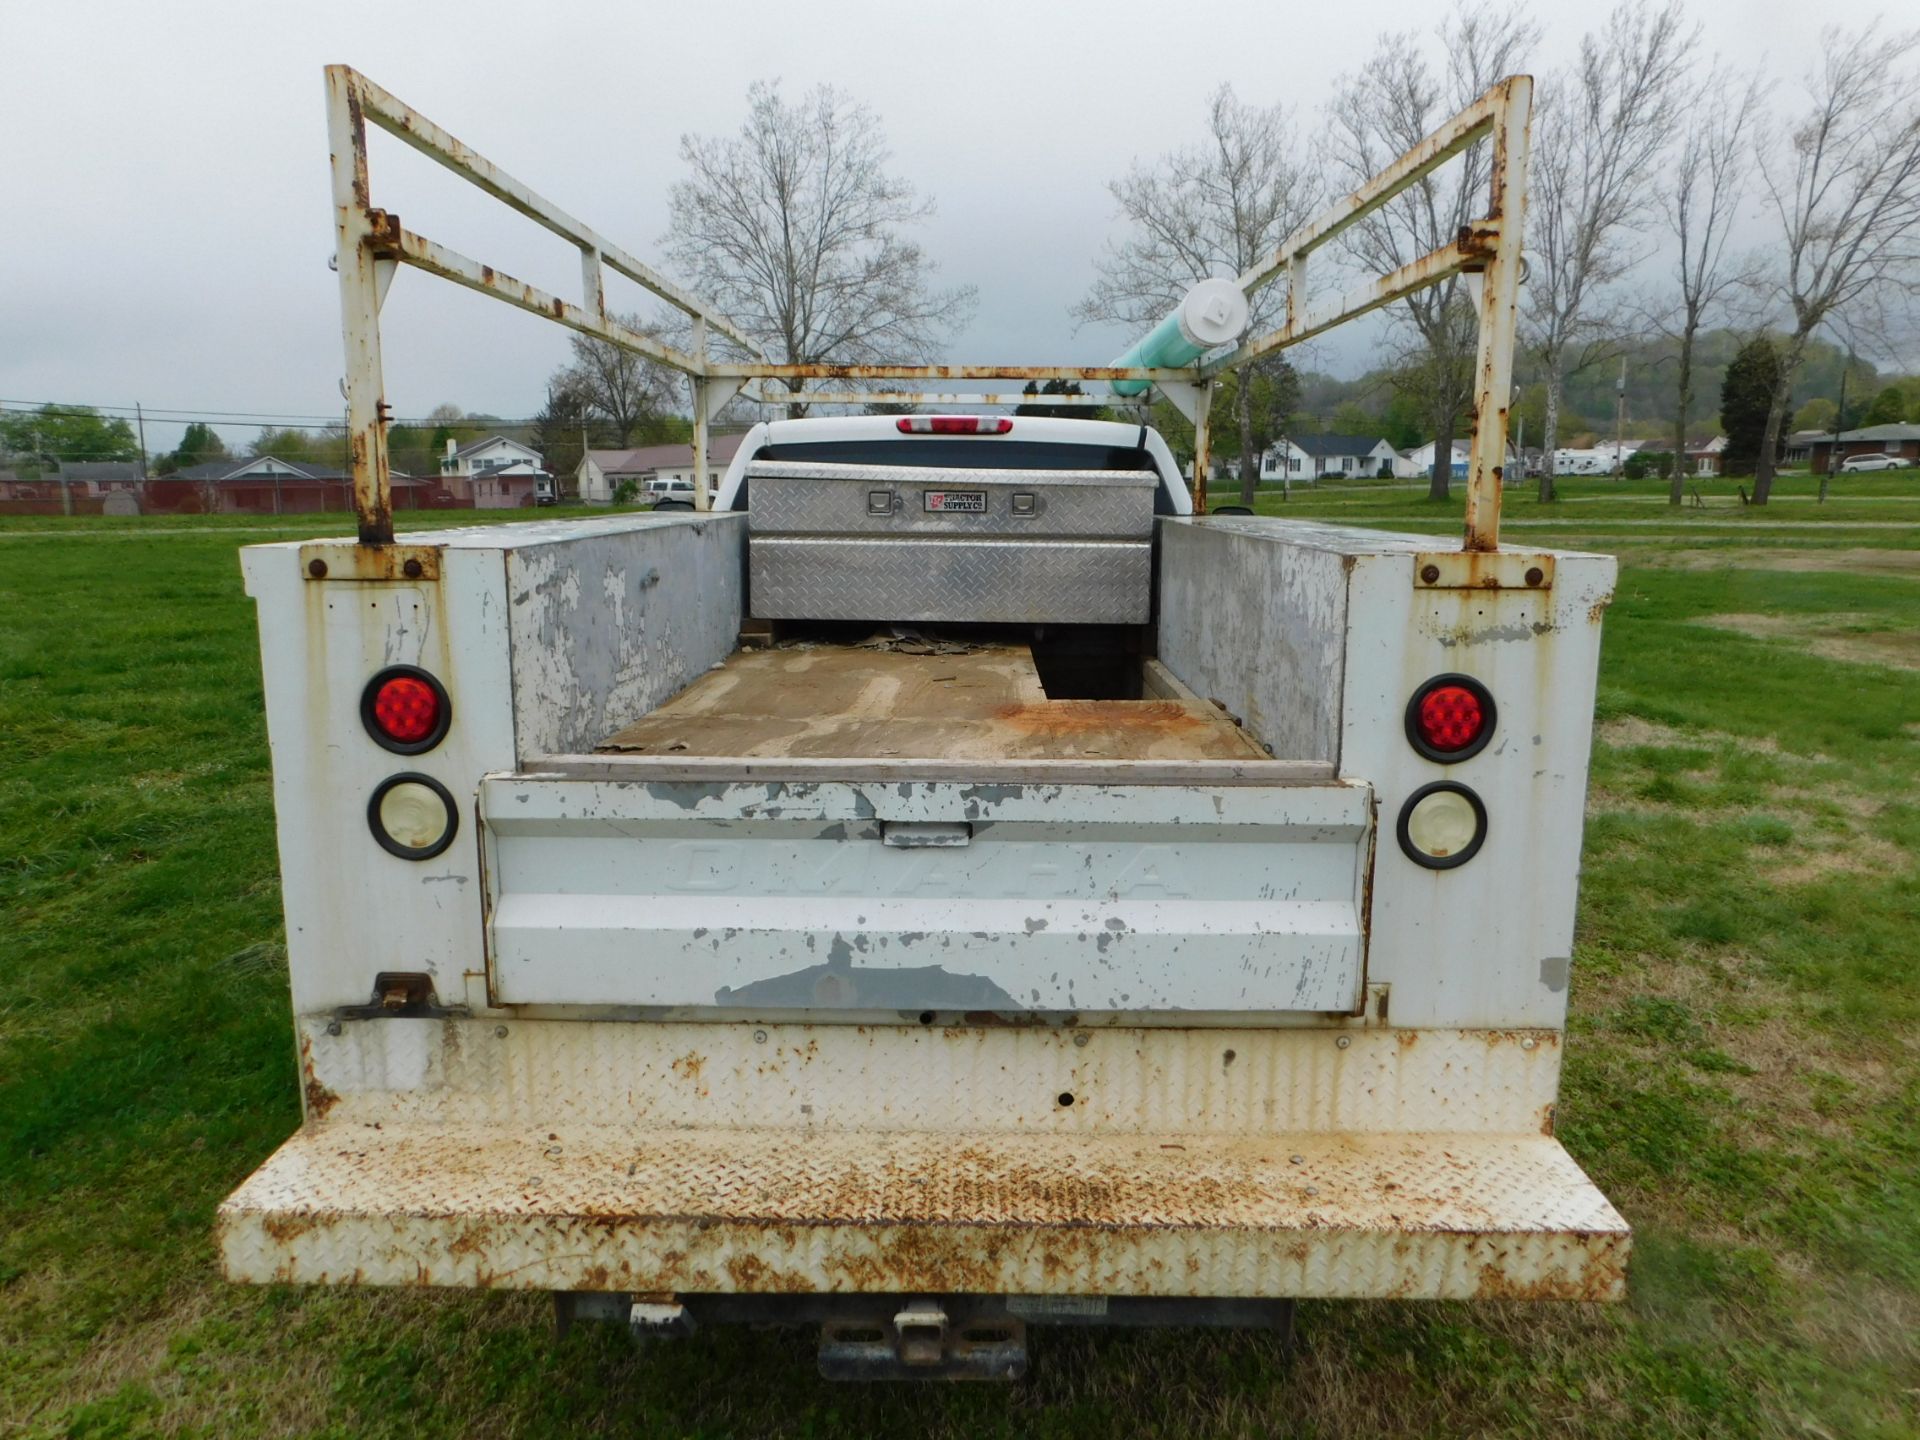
[(956, 502)]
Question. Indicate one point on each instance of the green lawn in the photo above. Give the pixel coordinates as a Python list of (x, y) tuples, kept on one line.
[(1743, 1077)]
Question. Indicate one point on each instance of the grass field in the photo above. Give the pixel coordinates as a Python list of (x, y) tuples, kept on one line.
[(1743, 1074)]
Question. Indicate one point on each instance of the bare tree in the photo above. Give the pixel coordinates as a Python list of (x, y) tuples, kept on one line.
[(613, 384), (1382, 111), (1597, 137), (793, 229), (1201, 211), (1709, 181), (1845, 187)]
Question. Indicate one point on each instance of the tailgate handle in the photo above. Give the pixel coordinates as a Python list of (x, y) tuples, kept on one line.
[(925, 834)]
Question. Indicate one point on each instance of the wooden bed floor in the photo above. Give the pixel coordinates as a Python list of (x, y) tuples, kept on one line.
[(852, 702)]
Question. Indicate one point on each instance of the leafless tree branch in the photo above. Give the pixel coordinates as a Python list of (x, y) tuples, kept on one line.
[(793, 227), (1843, 184), (1703, 203), (612, 384), (1598, 134), (1208, 209), (1380, 112)]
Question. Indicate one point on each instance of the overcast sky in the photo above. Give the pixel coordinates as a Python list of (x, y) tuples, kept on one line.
[(165, 230)]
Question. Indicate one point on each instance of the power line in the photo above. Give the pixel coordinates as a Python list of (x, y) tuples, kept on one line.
[(246, 419)]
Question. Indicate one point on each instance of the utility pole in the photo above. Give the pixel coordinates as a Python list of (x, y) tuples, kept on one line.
[(1839, 422), (1520, 444), (1619, 415), (141, 419)]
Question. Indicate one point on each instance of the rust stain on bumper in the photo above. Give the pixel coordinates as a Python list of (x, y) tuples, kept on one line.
[(602, 1207)]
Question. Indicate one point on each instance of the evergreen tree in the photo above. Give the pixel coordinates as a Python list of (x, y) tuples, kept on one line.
[(1746, 396), (198, 445)]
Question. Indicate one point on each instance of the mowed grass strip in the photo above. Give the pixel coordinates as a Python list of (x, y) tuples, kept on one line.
[(1742, 1072)]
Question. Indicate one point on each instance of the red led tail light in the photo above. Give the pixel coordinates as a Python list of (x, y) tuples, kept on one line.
[(405, 710), (1450, 718)]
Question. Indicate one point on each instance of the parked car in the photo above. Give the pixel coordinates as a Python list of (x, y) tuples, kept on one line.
[(1854, 464), (672, 488)]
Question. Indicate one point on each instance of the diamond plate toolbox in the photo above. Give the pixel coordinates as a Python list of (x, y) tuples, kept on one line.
[(901, 542)]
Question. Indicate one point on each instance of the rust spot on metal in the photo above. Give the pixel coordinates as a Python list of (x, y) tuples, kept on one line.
[(356, 119), (320, 1100), (284, 1228), (689, 1065), (386, 563), (752, 1275), (385, 234), (1603, 1277), (1471, 569)]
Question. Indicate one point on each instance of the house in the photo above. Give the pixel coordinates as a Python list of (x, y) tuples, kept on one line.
[(495, 473), (1901, 441), (602, 472), (1797, 449), (1703, 456), (1308, 457), (268, 485), (86, 484), (97, 479), (1417, 463)]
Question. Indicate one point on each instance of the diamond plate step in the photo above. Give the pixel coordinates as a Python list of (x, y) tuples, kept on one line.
[(752, 1211)]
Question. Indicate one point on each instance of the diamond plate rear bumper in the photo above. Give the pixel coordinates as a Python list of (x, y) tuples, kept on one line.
[(608, 1207)]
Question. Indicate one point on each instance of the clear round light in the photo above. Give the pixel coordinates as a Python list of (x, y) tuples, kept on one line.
[(413, 815), (1442, 824)]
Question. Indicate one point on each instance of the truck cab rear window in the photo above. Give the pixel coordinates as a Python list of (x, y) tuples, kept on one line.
[(936, 452)]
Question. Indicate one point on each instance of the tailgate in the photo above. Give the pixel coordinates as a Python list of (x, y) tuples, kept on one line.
[(1138, 900)]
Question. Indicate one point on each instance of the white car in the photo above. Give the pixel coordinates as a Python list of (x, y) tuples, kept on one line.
[(673, 488), (1854, 464)]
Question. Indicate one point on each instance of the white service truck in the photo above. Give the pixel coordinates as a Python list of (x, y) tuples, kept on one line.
[(950, 885)]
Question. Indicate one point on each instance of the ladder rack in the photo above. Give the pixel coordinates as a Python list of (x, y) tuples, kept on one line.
[(371, 243)]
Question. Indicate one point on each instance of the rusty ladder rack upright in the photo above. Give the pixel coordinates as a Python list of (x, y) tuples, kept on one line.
[(371, 244)]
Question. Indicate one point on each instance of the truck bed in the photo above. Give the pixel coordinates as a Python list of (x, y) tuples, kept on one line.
[(959, 702)]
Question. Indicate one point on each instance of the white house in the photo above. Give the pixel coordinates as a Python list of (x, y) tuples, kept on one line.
[(1308, 457), (1704, 457), (602, 472), (495, 473), (1417, 463)]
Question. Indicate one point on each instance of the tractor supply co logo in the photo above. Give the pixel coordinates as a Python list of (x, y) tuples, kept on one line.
[(955, 502)]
